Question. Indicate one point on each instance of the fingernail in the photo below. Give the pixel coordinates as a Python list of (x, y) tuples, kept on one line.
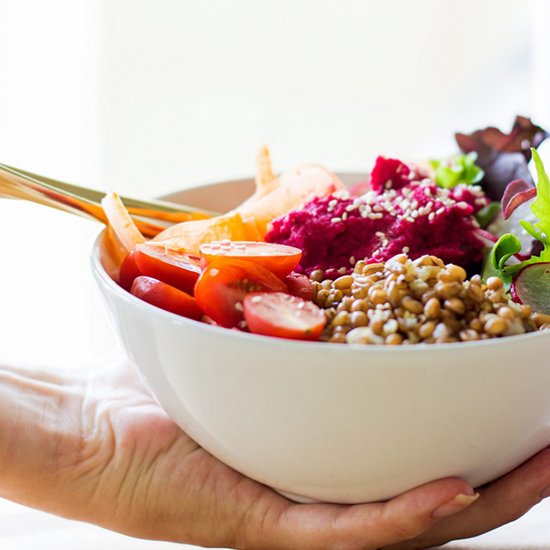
[(455, 505), (545, 493)]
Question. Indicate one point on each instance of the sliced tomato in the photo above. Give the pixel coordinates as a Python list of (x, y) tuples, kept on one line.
[(222, 286), (299, 285), (174, 267), (166, 297), (128, 271), (283, 315), (278, 258)]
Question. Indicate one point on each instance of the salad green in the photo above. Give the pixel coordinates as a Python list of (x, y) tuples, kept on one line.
[(508, 245), (459, 169)]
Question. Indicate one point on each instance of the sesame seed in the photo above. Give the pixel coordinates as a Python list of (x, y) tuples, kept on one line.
[(239, 306), (344, 195), (405, 250), (431, 216), (335, 220), (439, 211), (214, 272)]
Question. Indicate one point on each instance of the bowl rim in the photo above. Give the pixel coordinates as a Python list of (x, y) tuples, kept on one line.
[(103, 278)]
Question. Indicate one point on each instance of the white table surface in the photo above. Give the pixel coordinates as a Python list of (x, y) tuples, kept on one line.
[(47, 298)]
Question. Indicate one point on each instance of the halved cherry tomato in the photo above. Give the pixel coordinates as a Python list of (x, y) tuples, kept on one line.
[(283, 315), (278, 258), (128, 271), (174, 267), (222, 286), (166, 297), (299, 285)]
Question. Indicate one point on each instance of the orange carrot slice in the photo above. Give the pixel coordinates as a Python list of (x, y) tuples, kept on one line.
[(120, 220), (250, 221), (293, 189), (264, 172), (188, 236), (266, 181)]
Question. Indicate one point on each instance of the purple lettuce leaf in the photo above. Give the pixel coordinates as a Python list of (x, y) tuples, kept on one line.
[(503, 157), (516, 193)]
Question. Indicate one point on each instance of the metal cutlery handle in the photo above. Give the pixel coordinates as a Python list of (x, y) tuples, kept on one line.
[(150, 216)]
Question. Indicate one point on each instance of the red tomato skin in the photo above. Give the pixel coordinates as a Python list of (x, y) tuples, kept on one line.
[(273, 319), (279, 259), (164, 296), (179, 270), (299, 285), (222, 286), (128, 271)]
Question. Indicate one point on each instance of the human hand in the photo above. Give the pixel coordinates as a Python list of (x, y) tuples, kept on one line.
[(109, 455), (500, 502)]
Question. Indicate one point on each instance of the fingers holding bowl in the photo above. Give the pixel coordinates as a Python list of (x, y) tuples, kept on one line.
[(500, 502), (363, 526)]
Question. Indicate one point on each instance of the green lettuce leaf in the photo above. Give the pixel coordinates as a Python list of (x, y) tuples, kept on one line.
[(540, 207), (459, 169), (508, 245), (487, 214), (502, 251)]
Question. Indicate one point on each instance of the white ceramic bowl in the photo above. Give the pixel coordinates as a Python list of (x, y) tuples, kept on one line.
[(331, 422)]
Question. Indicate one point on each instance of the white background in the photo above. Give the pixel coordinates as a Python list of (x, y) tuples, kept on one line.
[(148, 96)]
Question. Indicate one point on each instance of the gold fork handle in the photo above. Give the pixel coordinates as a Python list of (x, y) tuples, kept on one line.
[(150, 216), (96, 196)]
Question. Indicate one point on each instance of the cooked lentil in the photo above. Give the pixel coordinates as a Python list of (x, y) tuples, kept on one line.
[(422, 301)]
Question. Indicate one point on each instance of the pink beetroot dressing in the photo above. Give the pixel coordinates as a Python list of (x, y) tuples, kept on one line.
[(398, 215)]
